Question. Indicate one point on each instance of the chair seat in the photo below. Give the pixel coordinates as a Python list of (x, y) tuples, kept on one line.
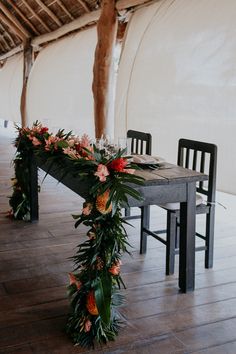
[(176, 206)]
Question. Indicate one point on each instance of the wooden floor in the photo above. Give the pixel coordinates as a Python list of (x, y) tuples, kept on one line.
[(33, 277)]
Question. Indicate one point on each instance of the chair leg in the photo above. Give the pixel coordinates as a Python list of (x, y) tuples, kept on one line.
[(170, 243), (177, 234), (210, 223), (145, 222), (127, 211)]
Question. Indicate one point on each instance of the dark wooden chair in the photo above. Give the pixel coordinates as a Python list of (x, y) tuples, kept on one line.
[(141, 143), (201, 157)]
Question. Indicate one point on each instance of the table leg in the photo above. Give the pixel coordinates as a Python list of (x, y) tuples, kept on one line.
[(187, 240), (145, 220), (34, 207)]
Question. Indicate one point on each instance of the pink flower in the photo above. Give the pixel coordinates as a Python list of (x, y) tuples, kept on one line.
[(87, 326), (129, 170), (51, 141), (73, 280), (71, 152), (71, 142), (85, 141), (115, 268), (87, 208), (102, 172), (36, 141)]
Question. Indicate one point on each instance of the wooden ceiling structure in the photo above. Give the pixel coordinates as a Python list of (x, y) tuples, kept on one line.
[(28, 25)]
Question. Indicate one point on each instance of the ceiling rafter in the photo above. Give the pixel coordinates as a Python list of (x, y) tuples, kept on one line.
[(20, 13), (125, 4), (49, 12), (12, 52), (36, 15), (12, 27), (84, 5), (80, 22), (14, 20), (62, 6), (7, 34), (6, 44), (43, 21)]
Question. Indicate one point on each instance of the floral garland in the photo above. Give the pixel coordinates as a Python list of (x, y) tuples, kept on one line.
[(96, 280)]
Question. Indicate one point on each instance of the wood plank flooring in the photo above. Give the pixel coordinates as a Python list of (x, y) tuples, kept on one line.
[(34, 263)]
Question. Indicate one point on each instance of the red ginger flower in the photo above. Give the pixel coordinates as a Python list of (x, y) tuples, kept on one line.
[(118, 164), (43, 130)]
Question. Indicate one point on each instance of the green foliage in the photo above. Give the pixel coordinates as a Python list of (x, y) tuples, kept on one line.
[(94, 289)]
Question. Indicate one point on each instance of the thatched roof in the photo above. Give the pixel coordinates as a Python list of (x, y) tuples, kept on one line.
[(22, 20)]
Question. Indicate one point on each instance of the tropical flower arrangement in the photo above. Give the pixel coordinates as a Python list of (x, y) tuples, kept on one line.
[(94, 285)]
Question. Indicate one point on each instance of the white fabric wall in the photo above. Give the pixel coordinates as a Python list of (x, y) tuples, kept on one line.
[(177, 78), (11, 81), (60, 84)]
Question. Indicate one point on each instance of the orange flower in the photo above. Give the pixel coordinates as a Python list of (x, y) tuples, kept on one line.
[(101, 203), (73, 280), (91, 304), (115, 268)]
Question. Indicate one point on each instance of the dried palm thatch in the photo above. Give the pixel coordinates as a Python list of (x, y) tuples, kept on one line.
[(31, 20)]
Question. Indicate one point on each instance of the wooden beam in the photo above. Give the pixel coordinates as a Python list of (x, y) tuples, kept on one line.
[(85, 6), (5, 42), (20, 13), (7, 34), (12, 27), (28, 61), (36, 15), (80, 22), (14, 20), (49, 12), (62, 6), (12, 52), (106, 30), (125, 4)]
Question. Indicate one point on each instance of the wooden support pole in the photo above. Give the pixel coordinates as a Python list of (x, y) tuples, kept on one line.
[(28, 61), (106, 30)]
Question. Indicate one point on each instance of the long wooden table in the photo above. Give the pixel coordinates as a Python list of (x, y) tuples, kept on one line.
[(170, 183)]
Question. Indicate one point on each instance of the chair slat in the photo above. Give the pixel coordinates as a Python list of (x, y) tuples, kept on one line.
[(194, 166)]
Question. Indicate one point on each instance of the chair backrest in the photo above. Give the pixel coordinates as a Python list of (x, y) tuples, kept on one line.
[(201, 157), (141, 143)]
